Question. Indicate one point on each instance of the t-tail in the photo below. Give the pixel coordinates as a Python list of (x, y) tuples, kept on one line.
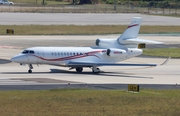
[(130, 35), (129, 39)]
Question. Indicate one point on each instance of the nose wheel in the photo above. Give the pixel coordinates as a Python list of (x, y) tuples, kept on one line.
[(30, 67), (29, 71)]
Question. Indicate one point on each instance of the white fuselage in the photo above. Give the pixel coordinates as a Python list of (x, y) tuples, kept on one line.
[(61, 56)]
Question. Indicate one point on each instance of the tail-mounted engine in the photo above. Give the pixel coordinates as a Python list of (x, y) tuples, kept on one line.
[(112, 52), (105, 42)]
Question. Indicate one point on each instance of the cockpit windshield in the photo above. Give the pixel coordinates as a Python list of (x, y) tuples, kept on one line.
[(25, 52), (28, 52)]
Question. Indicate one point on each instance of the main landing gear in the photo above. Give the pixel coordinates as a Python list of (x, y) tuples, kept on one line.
[(30, 67), (94, 69), (79, 69)]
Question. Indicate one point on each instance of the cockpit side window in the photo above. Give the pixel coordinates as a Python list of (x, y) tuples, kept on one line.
[(31, 52), (28, 52), (25, 52)]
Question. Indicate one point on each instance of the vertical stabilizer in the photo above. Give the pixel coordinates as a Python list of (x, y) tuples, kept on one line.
[(132, 30)]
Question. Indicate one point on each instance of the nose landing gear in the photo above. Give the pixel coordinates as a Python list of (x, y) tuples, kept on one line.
[(30, 67)]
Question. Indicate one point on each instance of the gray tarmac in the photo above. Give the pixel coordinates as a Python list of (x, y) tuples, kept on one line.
[(15, 77), (83, 19)]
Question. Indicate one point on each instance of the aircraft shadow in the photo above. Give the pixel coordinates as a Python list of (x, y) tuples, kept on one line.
[(24, 73), (4, 61), (113, 74)]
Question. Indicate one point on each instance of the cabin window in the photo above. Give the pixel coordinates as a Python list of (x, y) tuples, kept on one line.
[(67, 54)]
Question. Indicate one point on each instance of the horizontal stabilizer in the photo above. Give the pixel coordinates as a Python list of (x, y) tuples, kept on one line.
[(138, 41)]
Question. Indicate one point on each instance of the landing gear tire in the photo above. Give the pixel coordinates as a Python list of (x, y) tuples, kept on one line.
[(29, 71), (79, 69), (30, 67), (96, 70)]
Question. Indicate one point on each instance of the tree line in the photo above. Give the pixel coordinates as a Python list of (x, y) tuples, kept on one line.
[(139, 3)]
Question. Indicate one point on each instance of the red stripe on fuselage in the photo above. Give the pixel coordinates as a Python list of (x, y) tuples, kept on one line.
[(71, 57)]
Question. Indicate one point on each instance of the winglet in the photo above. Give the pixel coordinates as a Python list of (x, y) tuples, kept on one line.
[(165, 62)]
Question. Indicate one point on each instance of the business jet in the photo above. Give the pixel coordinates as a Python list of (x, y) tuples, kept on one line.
[(107, 52)]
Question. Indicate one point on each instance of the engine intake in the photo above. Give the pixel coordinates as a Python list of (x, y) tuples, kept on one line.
[(108, 52), (105, 42), (113, 52)]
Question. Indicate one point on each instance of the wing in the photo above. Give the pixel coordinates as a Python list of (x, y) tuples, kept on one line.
[(91, 64)]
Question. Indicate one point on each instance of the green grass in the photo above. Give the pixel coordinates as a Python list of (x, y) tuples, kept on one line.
[(169, 15), (163, 52), (80, 102), (83, 30), (26, 1)]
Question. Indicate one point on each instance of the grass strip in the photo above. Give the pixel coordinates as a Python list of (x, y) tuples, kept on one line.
[(75, 102), (83, 30), (169, 15), (163, 52)]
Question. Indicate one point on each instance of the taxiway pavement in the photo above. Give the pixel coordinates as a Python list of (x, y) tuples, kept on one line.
[(83, 19)]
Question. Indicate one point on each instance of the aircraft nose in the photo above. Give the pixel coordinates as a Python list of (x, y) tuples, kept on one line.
[(18, 58)]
